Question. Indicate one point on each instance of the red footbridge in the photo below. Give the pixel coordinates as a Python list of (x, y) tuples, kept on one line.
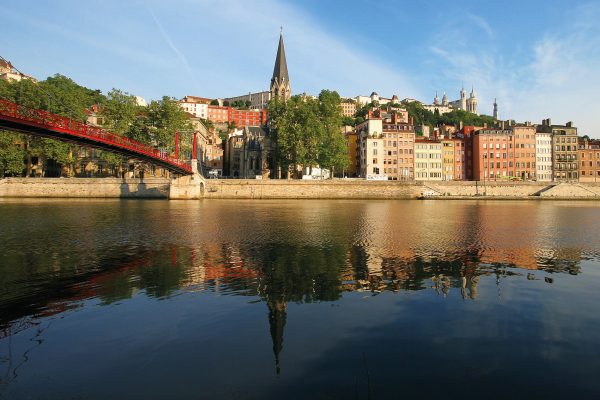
[(15, 117)]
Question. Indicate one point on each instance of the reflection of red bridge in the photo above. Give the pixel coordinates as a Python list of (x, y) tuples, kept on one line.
[(19, 118)]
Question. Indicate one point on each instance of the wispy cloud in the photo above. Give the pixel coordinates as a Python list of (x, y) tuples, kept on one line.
[(169, 41), (317, 58), (481, 23)]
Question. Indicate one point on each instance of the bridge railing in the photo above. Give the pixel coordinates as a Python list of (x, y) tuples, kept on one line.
[(44, 119)]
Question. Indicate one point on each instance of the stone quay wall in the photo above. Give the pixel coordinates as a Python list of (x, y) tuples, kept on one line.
[(156, 188), (162, 188), (361, 189)]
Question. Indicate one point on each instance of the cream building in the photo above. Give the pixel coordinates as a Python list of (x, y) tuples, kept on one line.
[(348, 107), (375, 98), (197, 106), (428, 160), (543, 154), (371, 148), (10, 73)]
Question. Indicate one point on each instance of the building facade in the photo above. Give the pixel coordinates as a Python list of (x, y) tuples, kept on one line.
[(525, 153), (428, 160), (240, 118), (348, 107), (10, 73), (543, 155), (565, 165), (448, 154), (370, 147), (589, 160), (247, 153), (398, 146), (197, 106)]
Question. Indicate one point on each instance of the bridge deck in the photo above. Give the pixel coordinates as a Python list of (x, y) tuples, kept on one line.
[(18, 118)]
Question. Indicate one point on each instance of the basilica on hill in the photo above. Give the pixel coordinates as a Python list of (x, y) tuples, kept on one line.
[(463, 103)]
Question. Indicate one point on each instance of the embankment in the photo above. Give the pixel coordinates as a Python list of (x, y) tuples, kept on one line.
[(360, 189), (157, 188), (294, 189)]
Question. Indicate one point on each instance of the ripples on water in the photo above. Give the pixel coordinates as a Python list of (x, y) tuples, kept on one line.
[(306, 299)]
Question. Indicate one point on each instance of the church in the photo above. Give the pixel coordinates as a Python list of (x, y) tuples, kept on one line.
[(248, 150), (280, 83), (463, 103)]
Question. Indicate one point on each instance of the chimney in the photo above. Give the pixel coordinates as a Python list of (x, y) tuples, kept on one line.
[(485, 125), (549, 122), (461, 125), (502, 125), (570, 124)]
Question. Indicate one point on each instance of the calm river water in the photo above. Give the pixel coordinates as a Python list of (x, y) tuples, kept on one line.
[(299, 299)]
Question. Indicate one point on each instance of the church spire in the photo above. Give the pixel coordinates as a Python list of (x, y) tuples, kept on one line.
[(277, 317), (280, 82)]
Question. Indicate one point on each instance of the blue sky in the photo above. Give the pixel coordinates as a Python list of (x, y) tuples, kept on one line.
[(539, 58)]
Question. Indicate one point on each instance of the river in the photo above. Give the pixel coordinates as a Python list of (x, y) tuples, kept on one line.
[(299, 299)]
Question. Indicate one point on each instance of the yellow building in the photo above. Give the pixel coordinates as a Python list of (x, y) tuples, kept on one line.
[(447, 160), (428, 160), (348, 107)]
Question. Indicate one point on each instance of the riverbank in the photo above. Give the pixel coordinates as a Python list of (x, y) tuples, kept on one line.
[(150, 188), (159, 188), (361, 189)]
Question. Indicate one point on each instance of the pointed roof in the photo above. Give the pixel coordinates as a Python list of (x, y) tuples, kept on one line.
[(277, 317), (280, 72)]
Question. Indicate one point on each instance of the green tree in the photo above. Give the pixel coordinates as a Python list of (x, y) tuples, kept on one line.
[(164, 119), (306, 132), (12, 155), (120, 111), (332, 150)]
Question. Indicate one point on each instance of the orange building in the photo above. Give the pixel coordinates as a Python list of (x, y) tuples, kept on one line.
[(398, 146), (240, 118), (589, 160), (525, 158), (500, 154), (493, 154)]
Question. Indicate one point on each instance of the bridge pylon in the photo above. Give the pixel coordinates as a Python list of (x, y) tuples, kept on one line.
[(187, 187)]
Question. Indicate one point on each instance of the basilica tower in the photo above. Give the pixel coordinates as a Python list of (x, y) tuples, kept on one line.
[(280, 83), (495, 109)]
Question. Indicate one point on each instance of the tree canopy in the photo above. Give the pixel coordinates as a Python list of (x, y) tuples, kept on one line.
[(307, 133), (155, 124)]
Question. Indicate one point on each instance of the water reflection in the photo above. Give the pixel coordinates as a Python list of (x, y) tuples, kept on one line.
[(279, 252)]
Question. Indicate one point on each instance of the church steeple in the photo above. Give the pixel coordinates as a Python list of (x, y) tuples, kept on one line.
[(280, 82)]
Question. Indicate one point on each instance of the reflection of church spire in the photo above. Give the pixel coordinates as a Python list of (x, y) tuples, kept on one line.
[(277, 317)]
